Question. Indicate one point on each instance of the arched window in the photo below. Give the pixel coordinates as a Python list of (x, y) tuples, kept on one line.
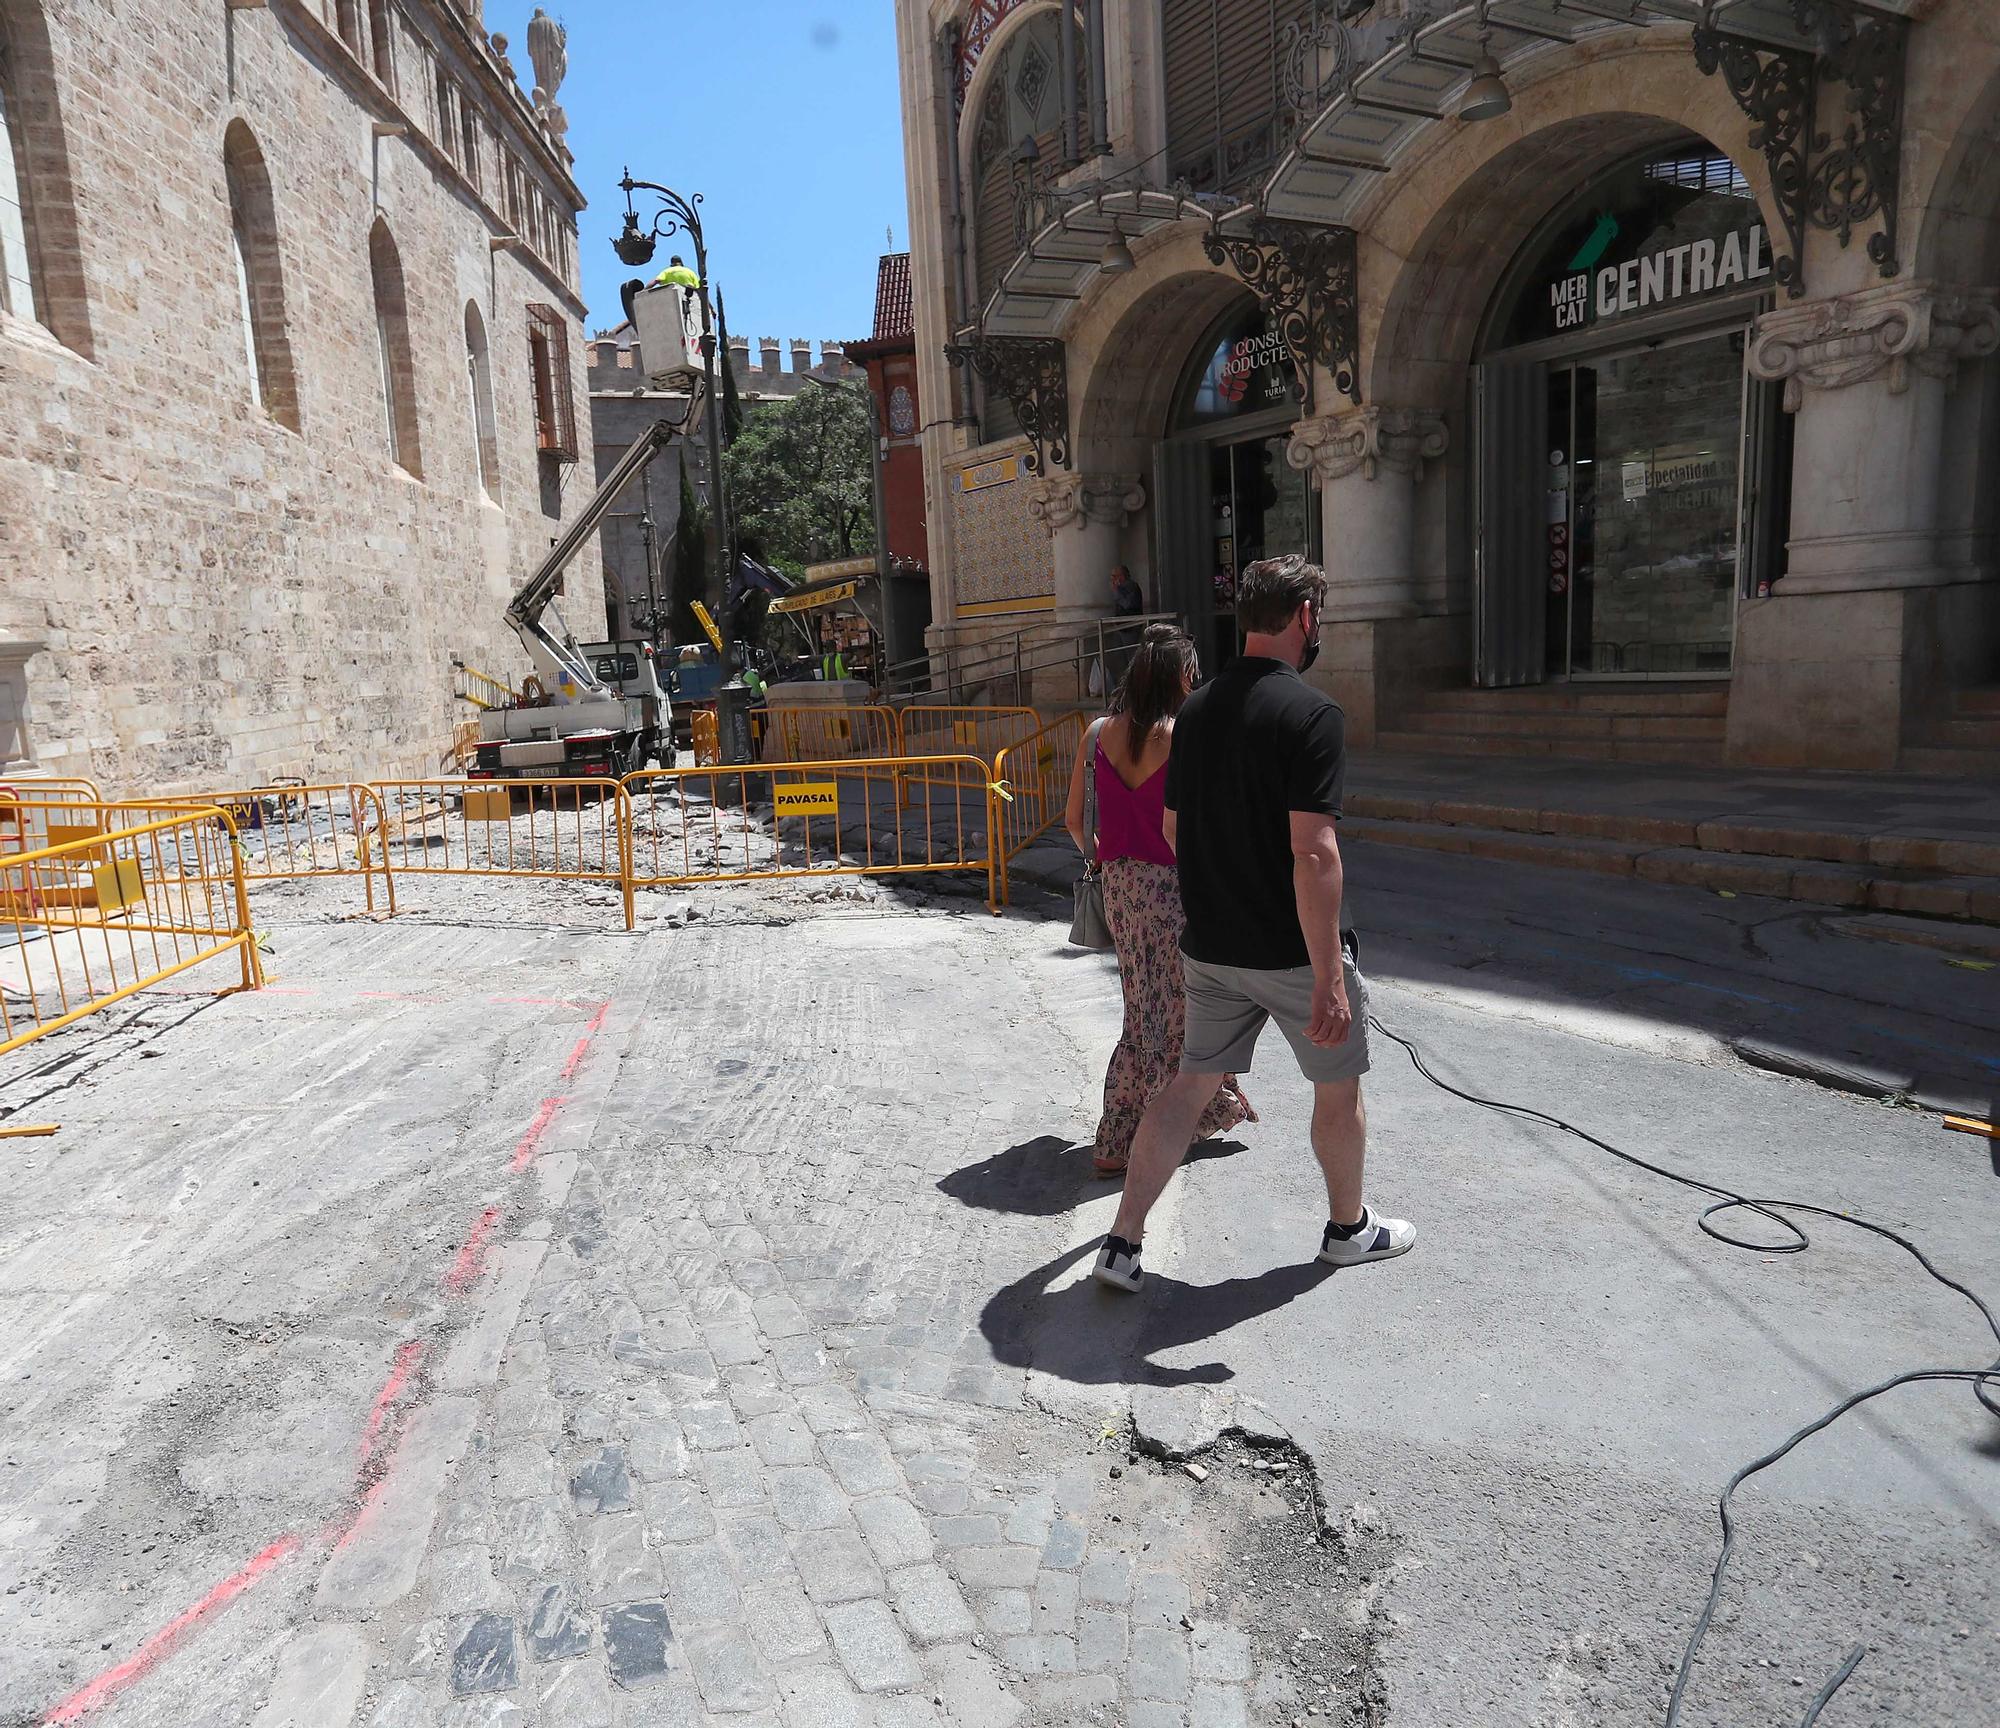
[(381, 38), (469, 126), (479, 381), (260, 283), (41, 270), (392, 339)]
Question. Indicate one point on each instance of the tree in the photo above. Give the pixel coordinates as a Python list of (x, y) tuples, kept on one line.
[(801, 479)]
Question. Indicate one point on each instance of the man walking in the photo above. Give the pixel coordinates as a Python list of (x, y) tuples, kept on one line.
[(1254, 783)]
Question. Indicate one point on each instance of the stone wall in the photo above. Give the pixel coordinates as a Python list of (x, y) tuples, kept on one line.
[(224, 598)]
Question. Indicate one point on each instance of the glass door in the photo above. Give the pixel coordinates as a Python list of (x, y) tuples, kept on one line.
[(1259, 507), (1644, 507)]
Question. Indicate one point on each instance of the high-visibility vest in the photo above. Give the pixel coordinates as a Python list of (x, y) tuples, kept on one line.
[(678, 276)]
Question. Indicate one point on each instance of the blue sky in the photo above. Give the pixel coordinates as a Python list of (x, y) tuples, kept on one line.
[(785, 115)]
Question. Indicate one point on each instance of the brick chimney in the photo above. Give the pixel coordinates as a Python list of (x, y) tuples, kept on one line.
[(802, 355), (767, 351), (739, 354), (832, 358)]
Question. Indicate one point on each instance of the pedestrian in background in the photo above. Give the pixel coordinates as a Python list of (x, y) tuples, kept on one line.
[(1127, 750), (1253, 783), (1128, 599)]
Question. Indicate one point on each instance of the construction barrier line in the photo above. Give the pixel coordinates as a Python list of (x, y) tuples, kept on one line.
[(99, 916)]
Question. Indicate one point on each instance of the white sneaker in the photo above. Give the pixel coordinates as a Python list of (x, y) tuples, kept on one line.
[(1118, 1264), (1377, 1238)]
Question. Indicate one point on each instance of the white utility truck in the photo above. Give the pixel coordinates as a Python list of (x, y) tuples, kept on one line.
[(571, 721)]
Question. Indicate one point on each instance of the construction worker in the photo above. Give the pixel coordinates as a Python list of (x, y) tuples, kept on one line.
[(677, 275)]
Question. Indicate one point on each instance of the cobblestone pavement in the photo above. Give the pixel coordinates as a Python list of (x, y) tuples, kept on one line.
[(505, 1324), (749, 1457)]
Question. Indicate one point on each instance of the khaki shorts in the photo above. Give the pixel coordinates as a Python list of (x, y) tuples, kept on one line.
[(1228, 1005)]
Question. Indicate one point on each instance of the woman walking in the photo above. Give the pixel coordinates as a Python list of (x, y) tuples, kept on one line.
[(1127, 751)]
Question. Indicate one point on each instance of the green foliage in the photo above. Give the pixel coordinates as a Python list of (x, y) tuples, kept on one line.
[(801, 479)]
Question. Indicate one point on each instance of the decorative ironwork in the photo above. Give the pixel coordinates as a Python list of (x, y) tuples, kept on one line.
[(1316, 61), (1817, 180), (1032, 372), (1857, 178), (1776, 88), (1305, 277)]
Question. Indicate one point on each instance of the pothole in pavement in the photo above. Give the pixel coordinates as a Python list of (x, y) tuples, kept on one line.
[(1302, 1583)]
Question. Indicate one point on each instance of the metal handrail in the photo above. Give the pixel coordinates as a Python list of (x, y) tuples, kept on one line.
[(1015, 658)]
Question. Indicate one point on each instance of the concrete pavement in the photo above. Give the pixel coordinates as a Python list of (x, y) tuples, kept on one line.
[(506, 1325)]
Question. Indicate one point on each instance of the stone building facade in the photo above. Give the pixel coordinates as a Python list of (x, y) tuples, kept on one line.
[(1645, 373), (291, 360)]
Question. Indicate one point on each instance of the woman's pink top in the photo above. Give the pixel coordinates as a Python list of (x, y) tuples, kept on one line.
[(1129, 817)]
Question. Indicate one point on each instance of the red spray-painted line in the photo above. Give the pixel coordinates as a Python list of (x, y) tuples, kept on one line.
[(114, 1680), (536, 1001), (464, 1269), (407, 1356), (471, 1258), (524, 1154)]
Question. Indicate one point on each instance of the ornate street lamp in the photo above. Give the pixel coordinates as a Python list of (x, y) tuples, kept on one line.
[(635, 247)]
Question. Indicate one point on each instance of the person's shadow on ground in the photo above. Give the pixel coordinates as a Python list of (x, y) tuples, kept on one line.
[(1045, 1176), (1093, 1336)]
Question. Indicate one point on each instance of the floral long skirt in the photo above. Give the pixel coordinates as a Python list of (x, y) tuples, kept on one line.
[(1142, 903)]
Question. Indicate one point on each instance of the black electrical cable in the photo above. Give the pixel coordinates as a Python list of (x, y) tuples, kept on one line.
[(1985, 1382)]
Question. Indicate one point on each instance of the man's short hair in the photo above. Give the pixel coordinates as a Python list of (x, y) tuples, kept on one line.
[(1272, 589)]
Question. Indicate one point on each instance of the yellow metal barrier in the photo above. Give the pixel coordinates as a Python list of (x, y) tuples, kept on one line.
[(924, 730), (1030, 789), (843, 816), (815, 734), (285, 833), (92, 920), (462, 748), (576, 830)]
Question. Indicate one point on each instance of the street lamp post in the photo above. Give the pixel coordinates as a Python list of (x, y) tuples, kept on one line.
[(634, 246)]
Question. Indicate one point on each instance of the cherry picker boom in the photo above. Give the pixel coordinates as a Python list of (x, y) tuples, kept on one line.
[(569, 721)]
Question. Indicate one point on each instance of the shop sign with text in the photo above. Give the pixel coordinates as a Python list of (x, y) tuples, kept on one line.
[(1665, 276)]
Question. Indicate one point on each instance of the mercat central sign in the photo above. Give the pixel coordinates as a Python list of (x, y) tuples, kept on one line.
[(1688, 271)]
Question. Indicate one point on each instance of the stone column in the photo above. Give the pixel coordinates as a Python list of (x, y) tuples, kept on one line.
[(1368, 463), (1830, 666), (1377, 647), (1084, 515)]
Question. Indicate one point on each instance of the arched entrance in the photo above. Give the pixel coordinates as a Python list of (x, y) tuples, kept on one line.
[(1630, 477), (1224, 493)]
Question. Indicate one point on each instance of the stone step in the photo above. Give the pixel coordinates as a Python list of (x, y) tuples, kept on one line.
[(1948, 764), (1817, 881), (1962, 734), (1691, 753), (1901, 854), (1585, 699), (1977, 702), (1532, 724)]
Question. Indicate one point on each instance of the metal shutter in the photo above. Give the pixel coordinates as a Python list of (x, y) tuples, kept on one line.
[(1221, 59)]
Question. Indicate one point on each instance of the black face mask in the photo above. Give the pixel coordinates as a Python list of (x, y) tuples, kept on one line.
[(1310, 652)]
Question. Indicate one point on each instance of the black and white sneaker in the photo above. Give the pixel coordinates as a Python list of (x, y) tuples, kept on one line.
[(1374, 1238), (1118, 1264)]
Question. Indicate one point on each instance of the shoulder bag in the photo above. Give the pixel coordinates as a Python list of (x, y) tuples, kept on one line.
[(1088, 927)]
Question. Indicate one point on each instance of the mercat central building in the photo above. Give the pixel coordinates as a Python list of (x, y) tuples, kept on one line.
[(1628, 365)]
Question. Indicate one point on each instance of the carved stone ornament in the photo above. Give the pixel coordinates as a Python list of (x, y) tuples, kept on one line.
[(1877, 332), (548, 49), (1365, 441), (1059, 501)]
